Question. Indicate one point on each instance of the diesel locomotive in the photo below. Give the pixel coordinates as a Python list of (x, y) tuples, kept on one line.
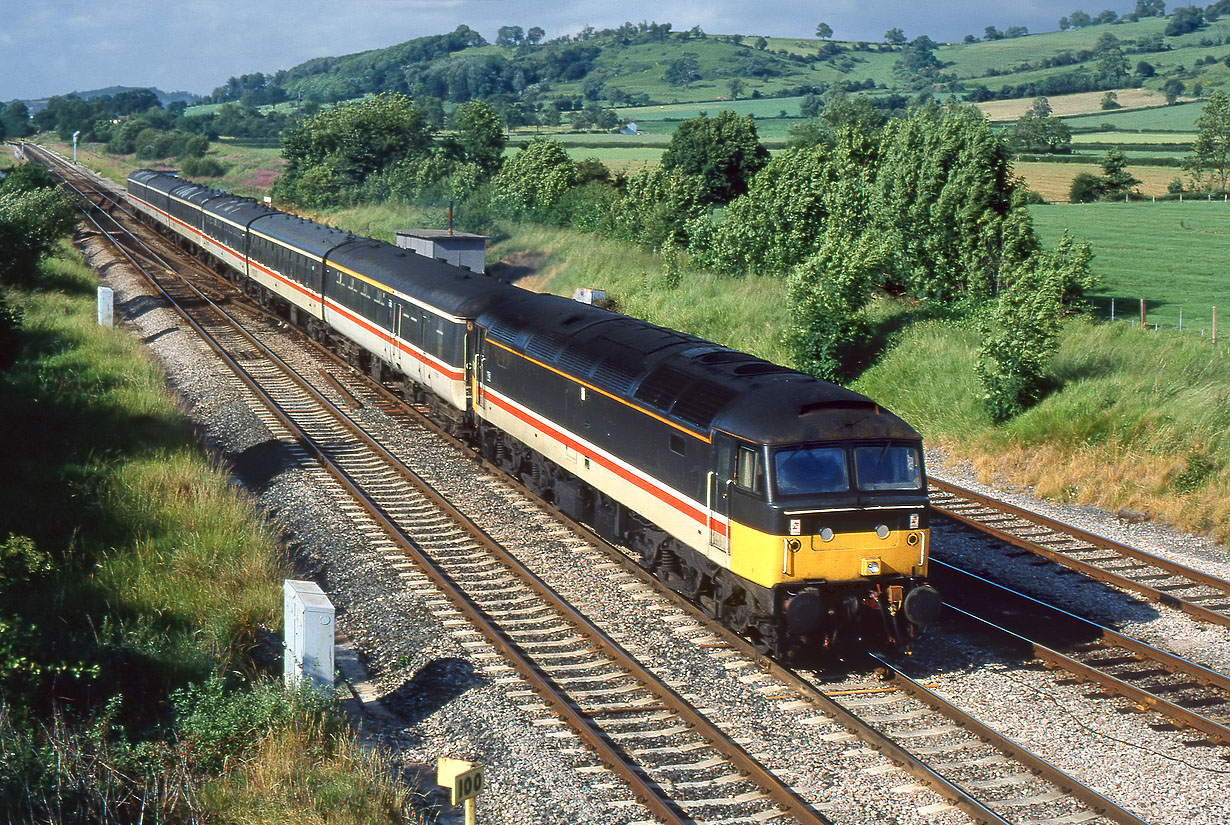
[(792, 509)]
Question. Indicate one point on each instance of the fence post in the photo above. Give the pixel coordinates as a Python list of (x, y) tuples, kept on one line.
[(1214, 326), (1142, 313)]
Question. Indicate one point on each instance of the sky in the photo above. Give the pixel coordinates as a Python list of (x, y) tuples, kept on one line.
[(51, 47)]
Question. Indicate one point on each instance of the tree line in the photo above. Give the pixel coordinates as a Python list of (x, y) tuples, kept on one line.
[(923, 206)]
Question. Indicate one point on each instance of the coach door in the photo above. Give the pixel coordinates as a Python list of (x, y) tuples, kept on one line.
[(394, 326), (721, 478)]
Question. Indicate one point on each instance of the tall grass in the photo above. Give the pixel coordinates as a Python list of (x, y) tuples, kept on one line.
[(151, 574), (1135, 420)]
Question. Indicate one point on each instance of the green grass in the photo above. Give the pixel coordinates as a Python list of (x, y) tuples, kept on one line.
[(157, 573), (1170, 254), (1178, 118), (1134, 420), (1136, 139)]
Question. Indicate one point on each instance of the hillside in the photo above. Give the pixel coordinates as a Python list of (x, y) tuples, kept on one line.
[(36, 106), (651, 64)]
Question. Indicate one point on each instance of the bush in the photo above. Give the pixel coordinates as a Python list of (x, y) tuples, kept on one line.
[(202, 168), (1086, 188), (30, 224), (223, 718)]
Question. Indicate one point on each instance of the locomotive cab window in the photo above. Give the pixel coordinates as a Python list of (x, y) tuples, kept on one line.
[(810, 469), (888, 467), (748, 473)]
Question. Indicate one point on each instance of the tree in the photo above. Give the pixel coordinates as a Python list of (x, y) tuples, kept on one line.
[(824, 31), (895, 37), (1150, 8), (1086, 188), (1079, 20), (16, 119), (1106, 16), (1064, 24), (1110, 100), (479, 136), (992, 33), (683, 71), (32, 219), (509, 36), (534, 180), (761, 43), (1112, 68), (736, 87), (1183, 20), (1145, 69), (1117, 181), (534, 35), (331, 154), (1022, 331), (1172, 88), (724, 152), (1038, 131), (1211, 149)]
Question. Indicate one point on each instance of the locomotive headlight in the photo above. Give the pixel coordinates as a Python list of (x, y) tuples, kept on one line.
[(882, 530), (826, 534), (871, 567)]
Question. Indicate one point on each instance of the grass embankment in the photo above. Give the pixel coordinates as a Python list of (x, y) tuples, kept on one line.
[(1136, 420), (143, 573)]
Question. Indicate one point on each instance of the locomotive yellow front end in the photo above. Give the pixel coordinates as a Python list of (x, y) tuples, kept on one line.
[(828, 520)]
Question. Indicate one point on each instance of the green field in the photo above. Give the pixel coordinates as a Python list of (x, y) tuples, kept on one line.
[(1178, 118), (1133, 138), (1171, 254)]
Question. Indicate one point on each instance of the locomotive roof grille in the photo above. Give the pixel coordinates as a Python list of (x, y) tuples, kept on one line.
[(701, 402), (545, 345), (661, 387), (580, 361), (617, 376), (501, 330)]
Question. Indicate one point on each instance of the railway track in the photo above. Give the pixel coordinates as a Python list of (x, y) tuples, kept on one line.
[(615, 708), (1160, 580), (1188, 694)]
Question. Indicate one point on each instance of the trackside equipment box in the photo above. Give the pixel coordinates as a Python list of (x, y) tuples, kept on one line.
[(309, 635)]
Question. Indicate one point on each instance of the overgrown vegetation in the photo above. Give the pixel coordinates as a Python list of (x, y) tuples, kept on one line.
[(134, 587)]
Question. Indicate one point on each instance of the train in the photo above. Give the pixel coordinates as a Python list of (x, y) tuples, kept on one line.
[(793, 510)]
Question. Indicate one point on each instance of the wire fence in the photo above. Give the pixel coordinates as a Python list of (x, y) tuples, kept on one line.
[(1136, 314)]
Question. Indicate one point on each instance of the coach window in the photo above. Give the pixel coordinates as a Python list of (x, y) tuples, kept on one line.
[(749, 474)]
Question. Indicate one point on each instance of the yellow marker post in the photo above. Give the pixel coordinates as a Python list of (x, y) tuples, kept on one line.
[(466, 781)]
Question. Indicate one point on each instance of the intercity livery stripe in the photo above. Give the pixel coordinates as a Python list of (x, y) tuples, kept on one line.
[(599, 390), (438, 366), (671, 498)]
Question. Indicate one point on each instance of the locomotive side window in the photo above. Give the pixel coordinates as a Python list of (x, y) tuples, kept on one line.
[(677, 444), (748, 474)]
